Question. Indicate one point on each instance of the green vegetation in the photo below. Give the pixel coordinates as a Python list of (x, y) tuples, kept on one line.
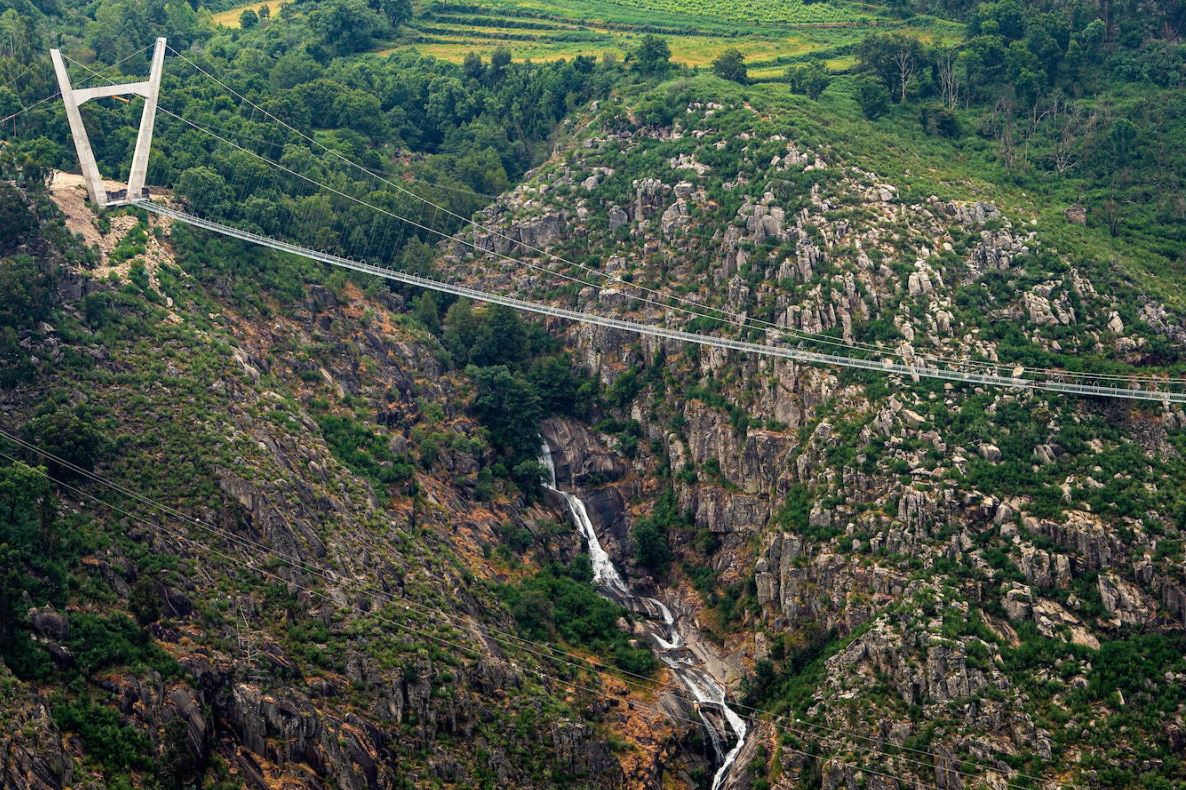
[(563, 605), (1078, 103), (364, 452), (650, 535), (115, 746), (730, 65), (697, 31)]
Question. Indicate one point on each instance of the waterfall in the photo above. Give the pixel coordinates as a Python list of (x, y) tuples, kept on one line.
[(663, 631)]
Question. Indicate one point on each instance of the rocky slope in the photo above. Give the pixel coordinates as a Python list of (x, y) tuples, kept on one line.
[(281, 627), (949, 584)]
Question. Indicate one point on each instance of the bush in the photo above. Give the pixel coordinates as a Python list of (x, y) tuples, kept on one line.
[(364, 452), (553, 605), (510, 409), (939, 121), (102, 642), (16, 217), (67, 436), (652, 57), (115, 745), (810, 80), (651, 549), (873, 98), (730, 65)]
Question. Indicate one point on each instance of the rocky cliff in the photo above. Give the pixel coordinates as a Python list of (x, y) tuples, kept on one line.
[(309, 599), (944, 584)]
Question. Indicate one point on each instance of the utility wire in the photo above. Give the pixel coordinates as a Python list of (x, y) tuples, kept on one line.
[(632, 326), (823, 339), (460, 647), (470, 651), (739, 319), (642, 682)]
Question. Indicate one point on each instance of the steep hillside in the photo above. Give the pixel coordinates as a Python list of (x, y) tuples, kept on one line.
[(936, 578), (295, 584)]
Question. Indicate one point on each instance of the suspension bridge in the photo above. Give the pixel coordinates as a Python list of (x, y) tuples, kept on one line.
[(665, 309)]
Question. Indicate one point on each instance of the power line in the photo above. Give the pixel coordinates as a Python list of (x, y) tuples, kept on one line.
[(739, 319), (323, 185), (391, 599), (637, 680), (796, 354), (905, 368)]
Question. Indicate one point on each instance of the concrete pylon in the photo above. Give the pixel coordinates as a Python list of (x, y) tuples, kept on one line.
[(149, 89)]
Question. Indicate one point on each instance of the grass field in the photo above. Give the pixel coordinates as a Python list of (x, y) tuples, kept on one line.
[(230, 17), (771, 33)]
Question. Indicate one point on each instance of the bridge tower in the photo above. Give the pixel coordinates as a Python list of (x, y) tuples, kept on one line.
[(149, 89)]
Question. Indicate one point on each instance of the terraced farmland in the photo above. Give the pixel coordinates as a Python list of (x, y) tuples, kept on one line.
[(770, 32)]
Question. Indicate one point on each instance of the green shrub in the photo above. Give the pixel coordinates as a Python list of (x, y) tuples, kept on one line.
[(116, 746), (364, 452), (552, 605)]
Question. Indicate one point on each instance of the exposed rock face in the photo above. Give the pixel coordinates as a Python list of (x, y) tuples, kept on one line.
[(283, 649), (648, 198), (1127, 603), (849, 510), (580, 457), (31, 750)]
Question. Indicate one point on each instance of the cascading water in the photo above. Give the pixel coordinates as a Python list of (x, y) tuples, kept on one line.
[(663, 632)]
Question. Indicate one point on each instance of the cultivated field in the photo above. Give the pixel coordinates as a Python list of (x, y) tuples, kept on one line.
[(771, 33), (230, 17)]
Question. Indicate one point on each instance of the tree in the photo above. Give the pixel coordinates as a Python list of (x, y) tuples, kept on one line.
[(872, 97), (398, 12), (248, 19), (118, 29), (26, 518), (144, 602), (984, 64), (906, 60), (26, 292), (16, 217), (1005, 19), (509, 408), (651, 549), (347, 26), (500, 59), (426, 311), (561, 389), (939, 121), (1123, 139), (501, 338), (472, 66), (652, 56), (895, 58), (946, 60), (68, 437), (810, 80), (15, 365), (360, 110), (204, 189), (730, 65)]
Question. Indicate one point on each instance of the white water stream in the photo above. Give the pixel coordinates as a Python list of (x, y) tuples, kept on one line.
[(663, 631)]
